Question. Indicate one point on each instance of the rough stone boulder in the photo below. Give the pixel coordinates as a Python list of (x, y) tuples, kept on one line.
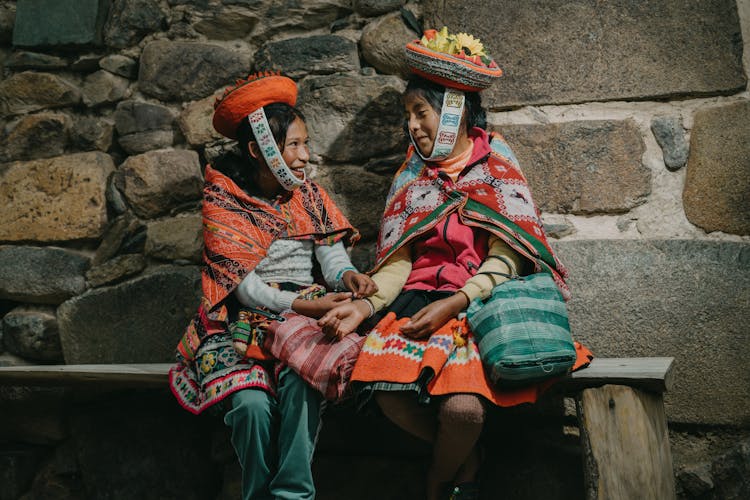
[(139, 321), (155, 182), (179, 71), (354, 118), (55, 199), (30, 91), (41, 275)]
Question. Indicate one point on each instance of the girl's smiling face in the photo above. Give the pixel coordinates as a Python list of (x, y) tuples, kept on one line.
[(422, 121), (296, 151)]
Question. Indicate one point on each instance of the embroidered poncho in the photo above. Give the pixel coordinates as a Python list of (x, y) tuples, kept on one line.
[(493, 195), (238, 229)]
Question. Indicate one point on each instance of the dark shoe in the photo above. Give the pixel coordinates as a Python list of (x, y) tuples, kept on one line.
[(465, 491)]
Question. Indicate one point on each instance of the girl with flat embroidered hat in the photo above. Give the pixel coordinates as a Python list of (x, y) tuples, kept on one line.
[(263, 221), (459, 215)]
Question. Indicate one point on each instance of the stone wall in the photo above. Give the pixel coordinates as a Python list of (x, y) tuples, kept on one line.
[(630, 119)]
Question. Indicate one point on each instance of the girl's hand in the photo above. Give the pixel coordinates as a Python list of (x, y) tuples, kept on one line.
[(344, 319), (318, 307), (360, 284), (432, 316)]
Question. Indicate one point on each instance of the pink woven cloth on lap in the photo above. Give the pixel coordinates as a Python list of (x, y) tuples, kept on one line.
[(324, 363)]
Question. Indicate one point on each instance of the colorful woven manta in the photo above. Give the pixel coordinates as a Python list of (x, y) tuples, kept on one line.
[(238, 229), (493, 194)]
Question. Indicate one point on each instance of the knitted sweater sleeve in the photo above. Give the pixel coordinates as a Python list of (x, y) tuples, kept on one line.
[(253, 292), (391, 278), (500, 254), (334, 262)]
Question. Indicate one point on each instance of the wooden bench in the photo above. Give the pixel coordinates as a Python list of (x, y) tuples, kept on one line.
[(619, 402)]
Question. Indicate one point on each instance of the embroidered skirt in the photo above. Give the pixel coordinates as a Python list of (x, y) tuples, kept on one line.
[(217, 372), (447, 362)]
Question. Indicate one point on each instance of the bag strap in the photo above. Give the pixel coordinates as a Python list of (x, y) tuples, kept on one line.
[(267, 314), (512, 276), (506, 275)]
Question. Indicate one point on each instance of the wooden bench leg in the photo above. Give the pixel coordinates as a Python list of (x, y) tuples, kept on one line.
[(625, 444)]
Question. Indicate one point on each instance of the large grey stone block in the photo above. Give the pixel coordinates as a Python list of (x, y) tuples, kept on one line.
[(158, 181), (682, 298), (130, 20), (717, 185), (354, 118), (559, 51), (41, 275), (139, 321), (310, 55), (181, 71), (582, 167), (59, 22)]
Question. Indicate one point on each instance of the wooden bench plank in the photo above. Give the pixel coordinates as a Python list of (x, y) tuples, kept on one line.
[(651, 374), (137, 374)]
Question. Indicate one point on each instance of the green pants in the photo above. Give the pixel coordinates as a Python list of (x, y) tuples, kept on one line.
[(274, 438)]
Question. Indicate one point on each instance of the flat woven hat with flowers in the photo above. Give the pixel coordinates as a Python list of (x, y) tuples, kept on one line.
[(457, 61), (246, 96)]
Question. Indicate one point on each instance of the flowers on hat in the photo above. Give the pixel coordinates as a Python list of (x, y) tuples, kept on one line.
[(462, 45), (457, 61)]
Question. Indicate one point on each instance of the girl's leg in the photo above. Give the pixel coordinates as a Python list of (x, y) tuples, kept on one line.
[(251, 419), (402, 409), (454, 433), (455, 456), (300, 409)]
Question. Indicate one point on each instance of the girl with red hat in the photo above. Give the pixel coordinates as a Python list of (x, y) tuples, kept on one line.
[(262, 223)]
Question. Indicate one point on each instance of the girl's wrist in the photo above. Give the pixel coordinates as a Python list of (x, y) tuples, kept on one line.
[(299, 305), (465, 300), (370, 308)]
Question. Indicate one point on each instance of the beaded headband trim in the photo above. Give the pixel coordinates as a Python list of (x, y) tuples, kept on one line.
[(447, 132), (270, 151)]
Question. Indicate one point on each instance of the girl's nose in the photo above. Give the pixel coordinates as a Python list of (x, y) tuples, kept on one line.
[(413, 123), (304, 153)]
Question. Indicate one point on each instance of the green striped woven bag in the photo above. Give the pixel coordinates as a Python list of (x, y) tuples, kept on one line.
[(523, 331)]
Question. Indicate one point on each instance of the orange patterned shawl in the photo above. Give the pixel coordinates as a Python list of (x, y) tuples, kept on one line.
[(238, 229)]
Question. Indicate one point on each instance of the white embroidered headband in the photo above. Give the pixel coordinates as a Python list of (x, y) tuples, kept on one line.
[(270, 151), (447, 132)]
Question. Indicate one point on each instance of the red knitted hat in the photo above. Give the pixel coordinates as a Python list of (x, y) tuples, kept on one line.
[(260, 89)]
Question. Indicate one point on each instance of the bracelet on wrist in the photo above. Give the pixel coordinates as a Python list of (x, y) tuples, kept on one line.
[(371, 306), (466, 296)]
